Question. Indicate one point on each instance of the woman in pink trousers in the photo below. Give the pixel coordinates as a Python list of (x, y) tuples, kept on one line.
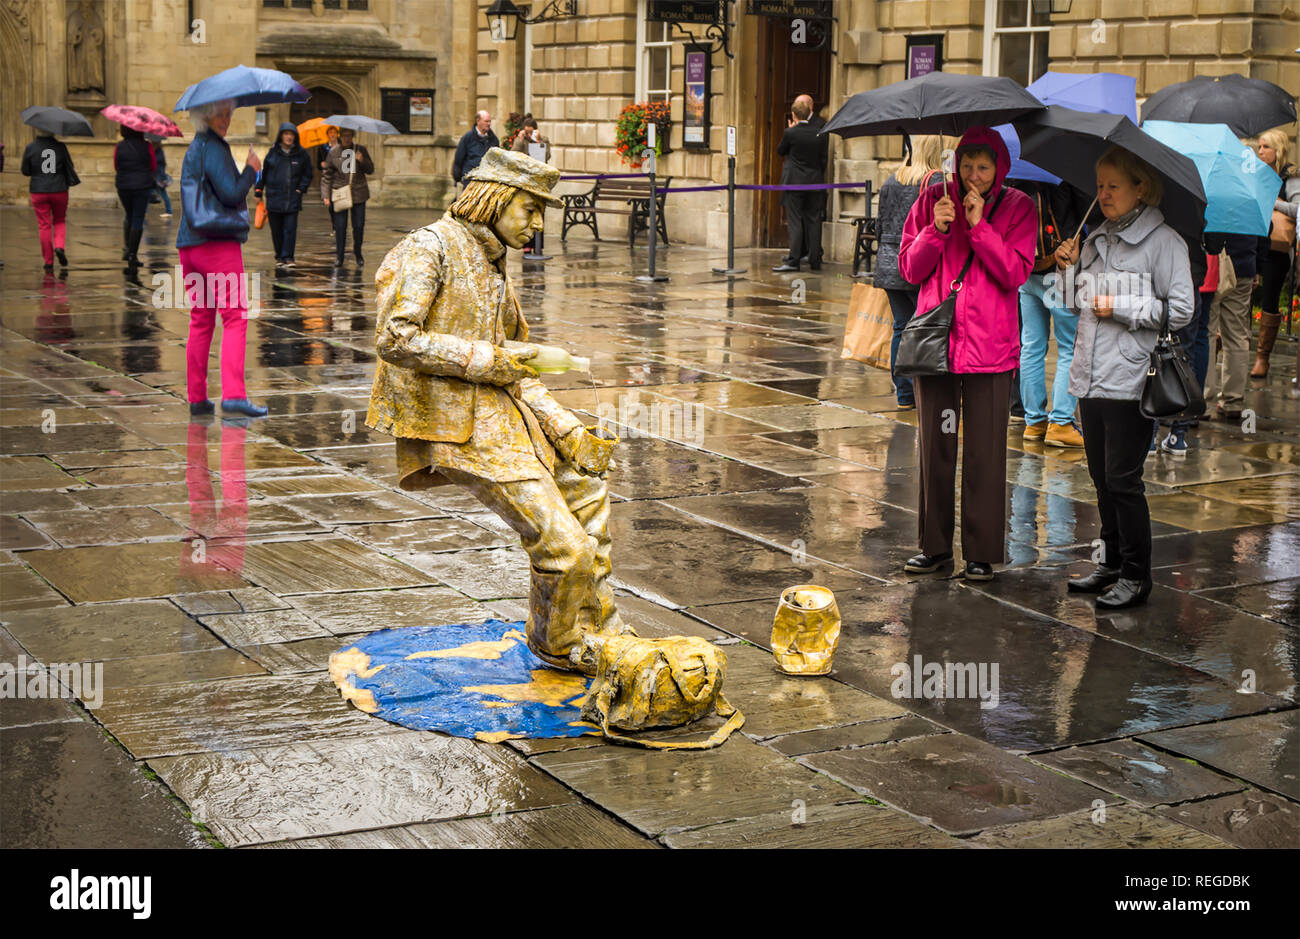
[(213, 228)]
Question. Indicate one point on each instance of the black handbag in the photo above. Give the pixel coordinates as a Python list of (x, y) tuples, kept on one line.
[(1171, 388), (923, 346)]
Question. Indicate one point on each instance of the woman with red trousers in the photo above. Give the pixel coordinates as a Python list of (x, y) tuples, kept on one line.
[(47, 162), (975, 214)]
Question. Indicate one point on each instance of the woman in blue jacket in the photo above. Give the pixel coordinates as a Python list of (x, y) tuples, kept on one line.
[(214, 224), (286, 174)]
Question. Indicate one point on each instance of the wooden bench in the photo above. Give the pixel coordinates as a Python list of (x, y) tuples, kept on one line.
[(583, 208), (865, 241)]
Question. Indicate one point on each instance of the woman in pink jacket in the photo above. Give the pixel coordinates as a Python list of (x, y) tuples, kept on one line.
[(972, 213)]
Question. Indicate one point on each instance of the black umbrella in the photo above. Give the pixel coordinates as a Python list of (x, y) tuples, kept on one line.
[(1247, 105), (937, 103), (1068, 143), (57, 121)]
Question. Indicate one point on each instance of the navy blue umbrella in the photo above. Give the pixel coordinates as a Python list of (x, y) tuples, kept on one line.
[(244, 86)]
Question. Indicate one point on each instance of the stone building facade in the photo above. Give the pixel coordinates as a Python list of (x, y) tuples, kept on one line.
[(575, 73), (355, 56)]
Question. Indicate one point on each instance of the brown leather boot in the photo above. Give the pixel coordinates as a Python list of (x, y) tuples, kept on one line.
[(1268, 324)]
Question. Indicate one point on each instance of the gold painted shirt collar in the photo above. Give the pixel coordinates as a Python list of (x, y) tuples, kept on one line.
[(488, 238)]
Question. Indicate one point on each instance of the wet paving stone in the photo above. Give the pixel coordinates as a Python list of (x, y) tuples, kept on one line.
[(102, 631), (360, 507), (253, 629), (233, 715), (289, 567), (311, 485), (776, 457), (367, 611), (955, 783), (1172, 624), (678, 561), (878, 445), (88, 794), (429, 535), (831, 525), (658, 791), (70, 437), (32, 472), (1057, 685), (17, 534), (169, 667), (688, 473), (40, 501), (115, 458), (562, 826), (330, 786), (292, 658), (247, 600), (106, 526), (1190, 510), (1251, 555), (858, 825), (130, 571), (1124, 827), (108, 497), (1272, 494), (854, 735), (1263, 749), (487, 574), (1250, 819), (22, 589), (1278, 600), (731, 394), (1140, 774), (19, 712), (819, 416)]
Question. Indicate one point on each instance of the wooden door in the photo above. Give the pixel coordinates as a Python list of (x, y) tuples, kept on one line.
[(786, 70)]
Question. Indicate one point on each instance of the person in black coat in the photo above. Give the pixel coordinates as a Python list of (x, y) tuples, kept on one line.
[(135, 166), (47, 162), (805, 153), (286, 174), (476, 141)]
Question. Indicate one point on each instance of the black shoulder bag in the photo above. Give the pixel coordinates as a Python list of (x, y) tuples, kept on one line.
[(1171, 388), (923, 347)]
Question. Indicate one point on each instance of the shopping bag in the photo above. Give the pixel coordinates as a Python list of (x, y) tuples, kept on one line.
[(259, 214), (870, 327)]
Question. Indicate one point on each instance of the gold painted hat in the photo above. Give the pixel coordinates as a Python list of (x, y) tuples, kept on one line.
[(519, 170)]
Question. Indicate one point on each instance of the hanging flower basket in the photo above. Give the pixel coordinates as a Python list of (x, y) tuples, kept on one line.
[(630, 131)]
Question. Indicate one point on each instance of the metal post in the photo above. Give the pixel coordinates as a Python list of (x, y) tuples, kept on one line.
[(654, 234), (539, 249), (731, 222)]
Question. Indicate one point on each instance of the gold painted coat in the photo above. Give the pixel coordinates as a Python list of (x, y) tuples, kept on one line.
[(444, 303)]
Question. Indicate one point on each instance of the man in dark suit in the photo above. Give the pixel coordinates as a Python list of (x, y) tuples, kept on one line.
[(805, 162)]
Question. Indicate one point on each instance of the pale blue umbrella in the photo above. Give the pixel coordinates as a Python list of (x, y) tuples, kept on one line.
[(245, 86), (362, 123), (1239, 187)]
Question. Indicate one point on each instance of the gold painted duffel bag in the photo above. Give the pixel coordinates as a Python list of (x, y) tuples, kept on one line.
[(644, 683)]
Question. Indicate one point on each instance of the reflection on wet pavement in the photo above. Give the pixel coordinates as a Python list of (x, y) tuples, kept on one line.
[(212, 565)]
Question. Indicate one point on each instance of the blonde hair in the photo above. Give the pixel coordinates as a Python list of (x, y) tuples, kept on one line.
[(1137, 170), (482, 201), (1281, 144), (927, 157)]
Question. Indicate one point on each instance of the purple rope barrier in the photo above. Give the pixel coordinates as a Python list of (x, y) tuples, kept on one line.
[(802, 187)]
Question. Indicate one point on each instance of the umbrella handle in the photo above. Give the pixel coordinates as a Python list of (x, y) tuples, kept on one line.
[(1085, 217)]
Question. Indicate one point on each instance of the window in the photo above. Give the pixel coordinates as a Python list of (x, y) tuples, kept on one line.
[(1015, 40), (654, 62)]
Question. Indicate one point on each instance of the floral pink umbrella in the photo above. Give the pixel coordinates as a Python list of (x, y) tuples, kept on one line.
[(145, 120)]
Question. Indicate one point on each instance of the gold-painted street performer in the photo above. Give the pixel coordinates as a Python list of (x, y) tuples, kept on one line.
[(466, 411)]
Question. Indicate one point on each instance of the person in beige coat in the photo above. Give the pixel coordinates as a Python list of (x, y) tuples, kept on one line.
[(467, 411), (347, 165)]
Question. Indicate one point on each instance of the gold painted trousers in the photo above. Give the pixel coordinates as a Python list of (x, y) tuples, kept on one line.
[(563, 522)]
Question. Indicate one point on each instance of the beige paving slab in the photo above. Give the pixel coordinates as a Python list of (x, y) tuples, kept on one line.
[(369, 610), (1118, 826), (121, 572), (1250, 819), (857, 825), (289, 567), (337, 785)]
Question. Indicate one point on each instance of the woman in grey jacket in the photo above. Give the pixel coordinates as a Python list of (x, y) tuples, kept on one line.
[(1133, 269)]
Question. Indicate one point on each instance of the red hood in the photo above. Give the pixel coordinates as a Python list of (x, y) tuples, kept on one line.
[(1002, 161)]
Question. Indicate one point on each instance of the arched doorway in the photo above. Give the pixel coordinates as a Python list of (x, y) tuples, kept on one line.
[(322, 103)]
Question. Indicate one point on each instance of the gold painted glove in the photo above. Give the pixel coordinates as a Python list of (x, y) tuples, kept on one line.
[(509, 367), (590, 454)]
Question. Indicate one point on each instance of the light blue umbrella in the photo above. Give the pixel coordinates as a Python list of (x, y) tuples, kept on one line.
[(362, 123), (1239, 187), (1097, 92), (244, 86)]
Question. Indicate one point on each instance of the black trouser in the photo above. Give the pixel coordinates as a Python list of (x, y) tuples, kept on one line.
[(340, 220), (943, 403), (805, 210), (1271, 277), (135, 205), (1115, 440), (284, 233)]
